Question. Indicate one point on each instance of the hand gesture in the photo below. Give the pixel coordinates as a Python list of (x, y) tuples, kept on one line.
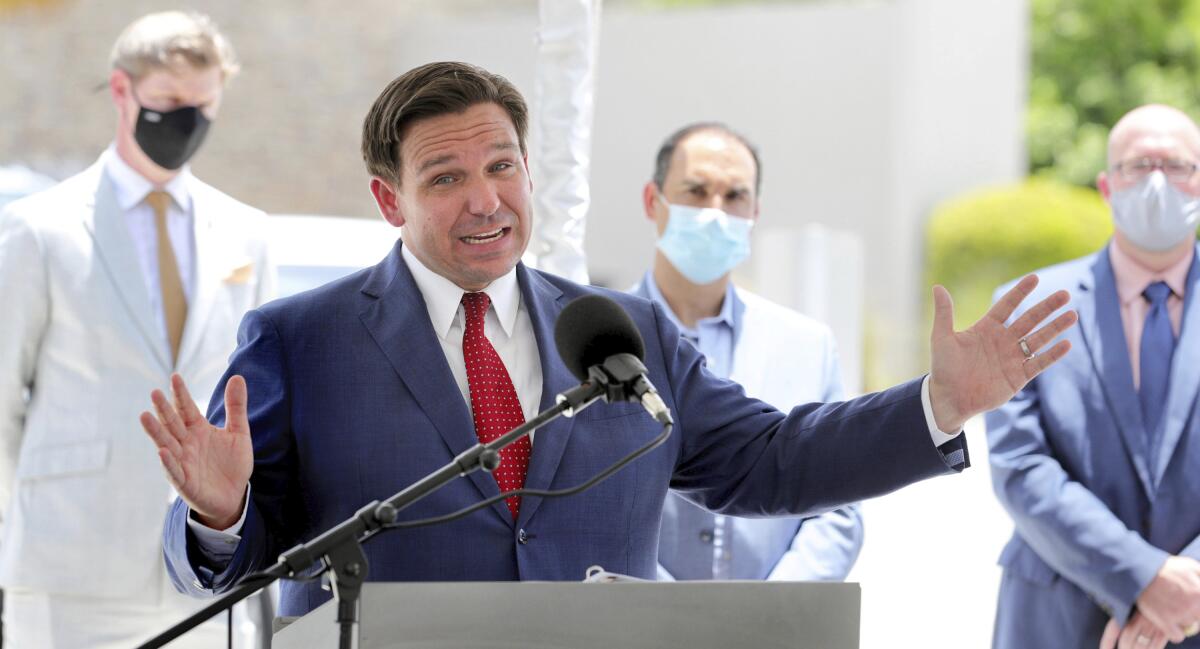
[(209, 466), (980, 369)]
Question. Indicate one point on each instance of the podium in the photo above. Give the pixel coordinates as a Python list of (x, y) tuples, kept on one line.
[(575, 615)]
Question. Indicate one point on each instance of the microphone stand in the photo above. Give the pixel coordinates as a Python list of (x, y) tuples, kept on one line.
[(340, 547)]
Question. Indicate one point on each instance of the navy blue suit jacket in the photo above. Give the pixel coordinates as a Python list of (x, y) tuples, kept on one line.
[(1096, 512), (351, 399)]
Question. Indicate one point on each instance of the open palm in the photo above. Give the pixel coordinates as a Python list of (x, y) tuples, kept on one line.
[(981, 368), (208, 466)]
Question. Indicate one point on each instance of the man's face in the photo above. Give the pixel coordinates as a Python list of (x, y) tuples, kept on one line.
[(708, 169), (164, 90), (1151, 137), (463, 199)]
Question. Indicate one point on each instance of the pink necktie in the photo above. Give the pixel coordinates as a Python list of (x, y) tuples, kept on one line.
[(494, 404)]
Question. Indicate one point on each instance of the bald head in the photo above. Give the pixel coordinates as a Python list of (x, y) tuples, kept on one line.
[(1153, 130)]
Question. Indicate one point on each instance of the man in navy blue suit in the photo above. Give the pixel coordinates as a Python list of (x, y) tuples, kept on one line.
[(361, 387)]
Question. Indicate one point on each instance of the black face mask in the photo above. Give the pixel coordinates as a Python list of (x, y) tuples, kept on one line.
[(170, 139)]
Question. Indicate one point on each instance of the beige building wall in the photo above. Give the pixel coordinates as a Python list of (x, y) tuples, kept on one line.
[(287, 136)]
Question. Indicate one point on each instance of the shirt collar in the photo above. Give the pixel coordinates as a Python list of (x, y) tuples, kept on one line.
[(443, 297), (131, 187), (729, 315), (1133, 278)]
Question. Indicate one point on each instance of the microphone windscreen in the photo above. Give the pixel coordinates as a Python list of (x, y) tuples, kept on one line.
[(592, 328)]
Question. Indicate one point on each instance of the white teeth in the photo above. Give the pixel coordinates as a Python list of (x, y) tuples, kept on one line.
[(485, 237)]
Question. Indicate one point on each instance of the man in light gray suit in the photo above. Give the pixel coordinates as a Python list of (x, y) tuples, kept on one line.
[(111, 281), (703, 200)]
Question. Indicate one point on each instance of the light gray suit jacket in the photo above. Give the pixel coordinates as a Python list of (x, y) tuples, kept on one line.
[(80, 351)]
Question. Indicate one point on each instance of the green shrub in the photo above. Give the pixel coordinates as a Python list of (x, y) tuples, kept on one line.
[(1094, 60), (977, 241)]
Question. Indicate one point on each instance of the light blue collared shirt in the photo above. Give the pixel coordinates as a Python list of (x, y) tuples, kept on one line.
[(715, 337)]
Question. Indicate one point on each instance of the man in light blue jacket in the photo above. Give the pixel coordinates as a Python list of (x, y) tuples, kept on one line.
[(1096, 460), (704, 200)]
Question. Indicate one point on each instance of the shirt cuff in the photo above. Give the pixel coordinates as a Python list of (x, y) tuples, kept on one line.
[(935, 434), (218, 545)]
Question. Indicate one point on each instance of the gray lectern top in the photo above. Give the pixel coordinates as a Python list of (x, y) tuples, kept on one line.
[(561, 615)]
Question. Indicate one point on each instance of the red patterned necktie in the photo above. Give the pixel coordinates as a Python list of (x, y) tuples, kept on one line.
[(494, 404)]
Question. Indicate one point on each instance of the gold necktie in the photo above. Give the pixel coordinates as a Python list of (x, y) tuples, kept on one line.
[(173, 299)]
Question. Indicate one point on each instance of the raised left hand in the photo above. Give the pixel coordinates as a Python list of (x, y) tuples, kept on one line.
[(981, 368)]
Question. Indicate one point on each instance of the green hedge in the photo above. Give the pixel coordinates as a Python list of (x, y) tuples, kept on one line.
[(980, 240)]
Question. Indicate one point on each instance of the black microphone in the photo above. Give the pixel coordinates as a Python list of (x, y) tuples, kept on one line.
[(601, 346)]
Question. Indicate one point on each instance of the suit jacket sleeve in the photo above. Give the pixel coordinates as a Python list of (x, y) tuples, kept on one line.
[(259, 359), (1062, 520), (826, 546), (24, 286), (742, 457)]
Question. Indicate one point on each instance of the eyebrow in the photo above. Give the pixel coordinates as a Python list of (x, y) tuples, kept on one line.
[(443, 159), (433, 162), (739, 186)]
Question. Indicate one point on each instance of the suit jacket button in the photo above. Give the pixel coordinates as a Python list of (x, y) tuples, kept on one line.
[(522, 537), (706, 536)]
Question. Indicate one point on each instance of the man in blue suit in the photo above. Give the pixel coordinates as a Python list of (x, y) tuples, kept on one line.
[(359, 388), (1096, 460), (703, 200)]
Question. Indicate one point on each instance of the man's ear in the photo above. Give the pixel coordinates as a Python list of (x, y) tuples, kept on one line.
[(120, 87), (650, 201), (1103, 186), (387, 199), (525, 161)]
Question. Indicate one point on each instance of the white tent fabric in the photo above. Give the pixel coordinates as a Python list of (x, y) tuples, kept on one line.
[(563, 107)]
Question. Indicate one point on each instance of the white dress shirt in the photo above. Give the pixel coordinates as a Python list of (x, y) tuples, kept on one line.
[(506, 325), (130, 190)]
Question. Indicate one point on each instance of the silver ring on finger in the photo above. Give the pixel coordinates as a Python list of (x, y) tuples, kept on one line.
[(1143, 639), (1192, 629), (1024, 345)]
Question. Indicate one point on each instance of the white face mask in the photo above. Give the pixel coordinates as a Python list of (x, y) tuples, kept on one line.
[(1154, 214)]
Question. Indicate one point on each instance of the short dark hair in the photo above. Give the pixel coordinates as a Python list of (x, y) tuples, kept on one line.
[(432, 90), (662, 162)]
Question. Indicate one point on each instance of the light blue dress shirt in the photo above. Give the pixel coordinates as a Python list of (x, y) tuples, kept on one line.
[(696, 544)]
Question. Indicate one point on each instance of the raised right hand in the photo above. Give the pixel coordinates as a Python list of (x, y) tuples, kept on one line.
[(209, 466), (1172, 600)]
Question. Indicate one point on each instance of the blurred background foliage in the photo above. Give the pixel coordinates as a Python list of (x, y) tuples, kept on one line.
[(984, 238), (1092, 61)]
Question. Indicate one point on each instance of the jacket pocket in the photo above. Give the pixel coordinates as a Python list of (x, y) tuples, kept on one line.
[(64, 459), (1021, 560)]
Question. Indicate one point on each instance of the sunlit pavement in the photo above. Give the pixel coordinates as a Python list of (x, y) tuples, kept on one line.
[(928, 566)]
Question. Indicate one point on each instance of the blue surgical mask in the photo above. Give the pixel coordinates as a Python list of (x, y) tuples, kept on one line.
[(704, 243), (1154, 214)]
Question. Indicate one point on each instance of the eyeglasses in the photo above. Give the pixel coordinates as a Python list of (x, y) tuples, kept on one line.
[(1139, 168)]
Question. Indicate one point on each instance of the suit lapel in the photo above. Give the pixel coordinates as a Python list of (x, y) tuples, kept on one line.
[(543, 302), (120, 258), (1185, 374), (399, 323), (209, 272), (1103, 334)]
